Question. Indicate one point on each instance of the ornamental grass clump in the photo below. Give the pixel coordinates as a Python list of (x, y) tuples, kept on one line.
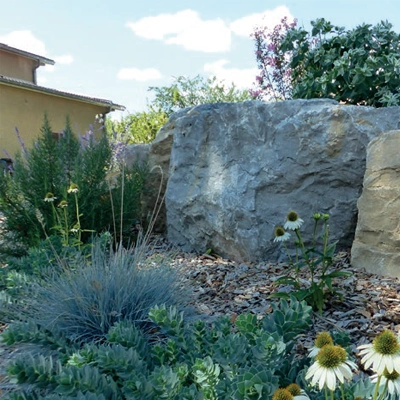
[(317, 255), (93, 293)]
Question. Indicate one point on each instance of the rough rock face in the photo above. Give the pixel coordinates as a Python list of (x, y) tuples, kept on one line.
[(237, 169), (376, 246)]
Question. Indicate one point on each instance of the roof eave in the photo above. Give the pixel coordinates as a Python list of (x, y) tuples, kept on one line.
[(54, 92), (43, 60)]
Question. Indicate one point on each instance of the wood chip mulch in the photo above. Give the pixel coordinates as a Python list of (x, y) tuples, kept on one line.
[(371, 303)]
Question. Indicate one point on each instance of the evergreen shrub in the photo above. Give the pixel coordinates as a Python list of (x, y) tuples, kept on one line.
[(47, 169)]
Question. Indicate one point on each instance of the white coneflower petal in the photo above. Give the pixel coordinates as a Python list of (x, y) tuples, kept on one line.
[(394, 387), (383, 353), (392, 380), (331, 365), (281, 235), (330, 380), (293, 221), (295, 390)]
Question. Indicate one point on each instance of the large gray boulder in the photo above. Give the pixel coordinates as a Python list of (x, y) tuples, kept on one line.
[(376, 245), (237, 169)]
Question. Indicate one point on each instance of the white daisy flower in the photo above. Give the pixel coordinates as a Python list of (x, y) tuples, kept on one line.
[(293, 221), (323, 338), (383, 353), (281, 235), (73, 188), (297, 393), (331, 365), (49, 197), (284, 394), (389, 380)]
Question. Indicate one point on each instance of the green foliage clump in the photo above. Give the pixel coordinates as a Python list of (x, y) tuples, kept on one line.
[(142, 127), (317, 256), (189, 360), (37, 203), (357, 66), (139, 127), (91, 294), (190, 92)]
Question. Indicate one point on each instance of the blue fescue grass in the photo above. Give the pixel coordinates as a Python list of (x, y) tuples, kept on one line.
[(94, 293)]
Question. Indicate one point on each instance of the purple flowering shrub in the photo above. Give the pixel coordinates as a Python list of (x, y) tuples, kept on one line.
[(274, 79)]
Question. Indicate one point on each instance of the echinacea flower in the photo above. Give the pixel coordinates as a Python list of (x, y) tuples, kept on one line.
[(323, 338), (389, 380), (285, 394), (383, 353), (73, 188), (297, 393), (281, 235), (76, 228), (331, 365), (62, 204), (49, 197), (293, 221), (282, 394)]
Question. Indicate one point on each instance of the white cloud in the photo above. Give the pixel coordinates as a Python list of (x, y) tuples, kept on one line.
[(47, 68), (41, 81), (242, 78), (187, 29), (24, 40), (141, 75), (270, 18), (65, 59)]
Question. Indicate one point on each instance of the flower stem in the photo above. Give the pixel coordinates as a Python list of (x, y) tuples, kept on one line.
[(382, 396), (342, 390), (78, 221), (377, 388), (66, 226)]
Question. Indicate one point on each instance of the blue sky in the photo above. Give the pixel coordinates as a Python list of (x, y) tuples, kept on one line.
[(117, 49)]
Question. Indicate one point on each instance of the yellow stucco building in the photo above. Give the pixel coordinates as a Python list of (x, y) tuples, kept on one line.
[(23, 103)]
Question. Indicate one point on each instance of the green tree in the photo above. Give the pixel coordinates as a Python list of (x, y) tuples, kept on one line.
[(189, 92), (142, 127), (139, 127), (357, 66)]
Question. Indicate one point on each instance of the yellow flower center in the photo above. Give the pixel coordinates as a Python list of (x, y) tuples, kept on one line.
[(294, 389), (386, 343), (390, 376), (292, 216), (282, 394), (279, 231), (323, 339), (331, 356)]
